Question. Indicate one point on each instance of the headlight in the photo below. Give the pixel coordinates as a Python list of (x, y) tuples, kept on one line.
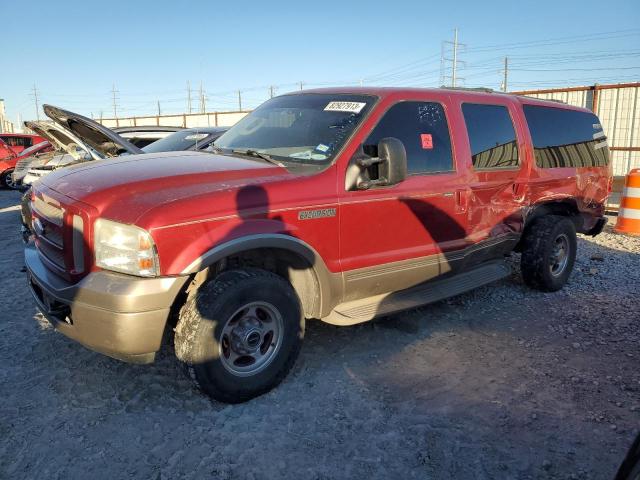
[(125, 248)]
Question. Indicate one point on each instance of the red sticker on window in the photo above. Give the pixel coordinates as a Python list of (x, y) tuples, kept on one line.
[(427, 141)]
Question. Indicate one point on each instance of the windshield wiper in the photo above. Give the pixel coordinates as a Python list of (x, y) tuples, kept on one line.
[(254, 153)]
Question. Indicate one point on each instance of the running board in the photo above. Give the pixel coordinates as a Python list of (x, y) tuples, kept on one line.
[(357, 311)]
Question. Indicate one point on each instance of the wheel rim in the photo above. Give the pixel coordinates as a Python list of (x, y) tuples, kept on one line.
[(8, 180), (251, 338), (559, 255)]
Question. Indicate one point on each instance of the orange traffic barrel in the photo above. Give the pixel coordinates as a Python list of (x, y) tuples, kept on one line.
[(629, 214)]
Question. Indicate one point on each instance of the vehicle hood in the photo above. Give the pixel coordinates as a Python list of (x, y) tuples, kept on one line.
[(102, 139), (124, 188), (59, 137)]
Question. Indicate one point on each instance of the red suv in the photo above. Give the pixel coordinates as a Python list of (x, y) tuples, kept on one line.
[(8, 163), (337, 204), (20, 141)]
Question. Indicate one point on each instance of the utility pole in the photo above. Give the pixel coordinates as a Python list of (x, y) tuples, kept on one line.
[(188, 96), (454, 49), (114, 93), (455, 58), (271, 88), (506, 74), (301, 85), (239, 100), (159, 108), (35, 97), (202, 106)]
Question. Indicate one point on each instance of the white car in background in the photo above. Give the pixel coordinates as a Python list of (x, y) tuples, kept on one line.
[(86, 140), (68, 149)]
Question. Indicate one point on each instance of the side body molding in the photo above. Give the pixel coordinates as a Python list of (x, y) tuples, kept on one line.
[(318, 301)]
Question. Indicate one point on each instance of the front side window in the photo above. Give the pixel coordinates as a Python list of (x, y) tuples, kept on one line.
[(423, 130), (491, 136), (305, 128), (566, 138)]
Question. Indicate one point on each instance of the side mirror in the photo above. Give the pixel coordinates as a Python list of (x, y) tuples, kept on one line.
[(393, 160), (388, 168)]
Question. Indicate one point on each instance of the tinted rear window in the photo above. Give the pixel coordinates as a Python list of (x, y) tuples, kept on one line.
[(566, 138), (491, 136)]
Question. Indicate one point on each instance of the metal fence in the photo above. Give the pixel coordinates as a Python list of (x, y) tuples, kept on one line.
[(186, 120)]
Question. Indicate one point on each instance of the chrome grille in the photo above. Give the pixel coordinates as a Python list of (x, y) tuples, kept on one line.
[(48, 222)]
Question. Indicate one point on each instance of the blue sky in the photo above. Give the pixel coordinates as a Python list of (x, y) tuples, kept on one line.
[(74, 51)]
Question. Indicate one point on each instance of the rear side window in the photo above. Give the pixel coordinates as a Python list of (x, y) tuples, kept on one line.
[(491, 136), (566, 138), (422, 128)]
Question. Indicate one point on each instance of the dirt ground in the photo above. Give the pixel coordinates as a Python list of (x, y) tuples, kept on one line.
[(503, 382)]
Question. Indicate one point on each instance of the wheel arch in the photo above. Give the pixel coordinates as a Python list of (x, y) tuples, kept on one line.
[(566, 207), (287, 256)]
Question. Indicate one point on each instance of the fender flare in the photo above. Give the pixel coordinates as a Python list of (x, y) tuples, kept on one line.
[(329, 284)]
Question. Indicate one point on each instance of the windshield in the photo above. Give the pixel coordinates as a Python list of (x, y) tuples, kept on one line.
[(302, 128), (182, 140), (37, 146)]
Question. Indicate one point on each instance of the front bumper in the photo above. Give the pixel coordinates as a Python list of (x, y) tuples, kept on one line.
[(121, 316)]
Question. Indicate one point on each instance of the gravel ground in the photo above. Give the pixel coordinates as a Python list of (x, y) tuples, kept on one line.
[(503, 382)]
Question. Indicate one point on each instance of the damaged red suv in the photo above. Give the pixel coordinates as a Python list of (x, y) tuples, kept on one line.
[(335, 204)]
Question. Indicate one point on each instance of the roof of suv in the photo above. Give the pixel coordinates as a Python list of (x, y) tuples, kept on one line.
[(383, 92)]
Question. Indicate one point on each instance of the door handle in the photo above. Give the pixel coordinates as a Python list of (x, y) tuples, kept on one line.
[(462, 200), (518, 191)]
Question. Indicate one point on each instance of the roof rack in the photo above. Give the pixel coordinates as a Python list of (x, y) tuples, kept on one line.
[(471, 89), (544, 99)]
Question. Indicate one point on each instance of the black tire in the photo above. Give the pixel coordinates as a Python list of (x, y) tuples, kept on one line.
[(5, 179), (202, 339), (540, 246)]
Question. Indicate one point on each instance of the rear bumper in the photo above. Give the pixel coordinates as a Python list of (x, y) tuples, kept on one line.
[(120, 316)]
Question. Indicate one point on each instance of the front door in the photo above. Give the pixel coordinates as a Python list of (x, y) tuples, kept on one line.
[(394, 237)]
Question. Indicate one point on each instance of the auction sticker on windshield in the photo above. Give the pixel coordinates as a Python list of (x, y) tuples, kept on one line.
[(351, 107)]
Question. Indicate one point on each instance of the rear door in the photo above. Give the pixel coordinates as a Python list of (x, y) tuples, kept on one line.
[(497, 186), (394, 237)]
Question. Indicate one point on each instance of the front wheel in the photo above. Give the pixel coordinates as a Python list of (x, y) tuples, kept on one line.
[(6, 179), (549, 252), (240, 334)]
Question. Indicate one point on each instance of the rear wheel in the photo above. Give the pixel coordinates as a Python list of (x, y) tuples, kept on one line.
[(6, 179), (240, 334), (549, 252)]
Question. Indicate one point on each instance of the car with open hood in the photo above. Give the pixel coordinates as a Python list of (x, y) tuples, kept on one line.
[(67, 149), (91, 140)]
